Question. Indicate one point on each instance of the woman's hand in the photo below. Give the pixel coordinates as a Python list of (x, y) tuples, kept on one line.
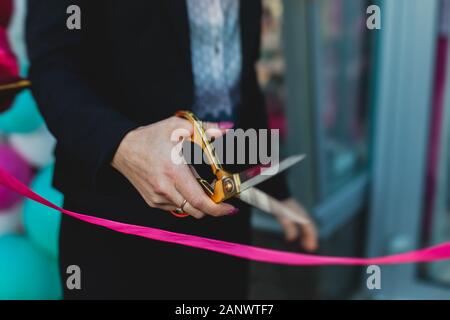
[(144, 157), (307, 234)]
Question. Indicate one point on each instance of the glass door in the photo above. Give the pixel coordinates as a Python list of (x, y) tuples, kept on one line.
[(340, 46), (436, 221), (329, 53), (409, 207), (315, 70), (315, 73)]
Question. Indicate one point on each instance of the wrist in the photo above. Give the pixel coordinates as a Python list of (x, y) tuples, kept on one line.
[(120, 157)]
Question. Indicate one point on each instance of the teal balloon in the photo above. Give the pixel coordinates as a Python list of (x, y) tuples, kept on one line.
[(42, 223), (26, 272), (23, 116)]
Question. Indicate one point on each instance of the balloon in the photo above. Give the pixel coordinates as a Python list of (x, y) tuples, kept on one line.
[(8, 69), (23, 116), (25, 272), (41, 223), (36, 147), (8, 64), (10, 220), (14, 164)]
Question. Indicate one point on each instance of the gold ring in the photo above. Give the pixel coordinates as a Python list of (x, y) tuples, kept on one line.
[(182, 205), (179, 212)]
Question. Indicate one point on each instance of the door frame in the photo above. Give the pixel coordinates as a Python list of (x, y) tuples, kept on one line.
[(405, 66)]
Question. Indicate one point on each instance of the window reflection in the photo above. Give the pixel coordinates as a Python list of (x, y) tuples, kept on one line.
[(338, 45), (343, 59), (271, 65), (436, 224)]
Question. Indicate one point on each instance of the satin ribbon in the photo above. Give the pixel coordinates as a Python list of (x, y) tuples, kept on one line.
[(435, 253)]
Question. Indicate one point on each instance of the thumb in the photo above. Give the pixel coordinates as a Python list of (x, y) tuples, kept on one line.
[(290, 229)]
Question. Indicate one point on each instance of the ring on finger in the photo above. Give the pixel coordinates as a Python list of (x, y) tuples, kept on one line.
[(179, 212)]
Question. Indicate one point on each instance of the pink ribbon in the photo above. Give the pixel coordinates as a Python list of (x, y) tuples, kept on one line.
[(435, 253)]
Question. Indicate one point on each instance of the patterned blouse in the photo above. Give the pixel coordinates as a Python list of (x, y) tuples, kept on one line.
[(216, 57)]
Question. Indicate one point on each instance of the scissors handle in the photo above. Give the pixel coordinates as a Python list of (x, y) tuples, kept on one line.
[(226, 185), (200, 138), (15, 86)]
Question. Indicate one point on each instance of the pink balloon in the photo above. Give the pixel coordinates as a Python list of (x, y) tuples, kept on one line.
[(13, 163), (9, 70)]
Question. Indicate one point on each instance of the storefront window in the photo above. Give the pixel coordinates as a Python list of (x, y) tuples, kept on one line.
[(342, 62), (437, 188), (271, 66)]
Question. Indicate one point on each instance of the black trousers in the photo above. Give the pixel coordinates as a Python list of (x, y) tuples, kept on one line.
[(118, 266)]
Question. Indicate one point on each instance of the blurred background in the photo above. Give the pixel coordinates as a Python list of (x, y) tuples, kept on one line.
[(370, 108)]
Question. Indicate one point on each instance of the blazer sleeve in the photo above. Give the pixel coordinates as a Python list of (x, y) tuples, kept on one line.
[(85, 126)]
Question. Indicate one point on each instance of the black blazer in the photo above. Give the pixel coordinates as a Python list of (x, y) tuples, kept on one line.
[(129, 65)]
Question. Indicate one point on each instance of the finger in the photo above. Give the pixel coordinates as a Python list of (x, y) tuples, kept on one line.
[(160, 201), (177, 199), (290, 229), (212, 129), (309, 237), (168, 207), (172, 209), (152, 199), (191, 190), (180, 123), (215, 130), (190, 210), (181, 129)]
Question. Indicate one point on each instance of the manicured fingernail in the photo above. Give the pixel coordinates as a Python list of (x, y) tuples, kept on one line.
[(233, 212), (226, 125)]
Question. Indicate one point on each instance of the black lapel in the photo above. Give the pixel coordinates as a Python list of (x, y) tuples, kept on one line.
[(250, 20), (243, 19), (179, 16)]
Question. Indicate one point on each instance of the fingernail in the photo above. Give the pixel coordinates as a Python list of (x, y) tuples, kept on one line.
[(233, 212), (226, 125)]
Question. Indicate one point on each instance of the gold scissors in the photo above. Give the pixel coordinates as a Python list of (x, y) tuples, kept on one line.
[(241, 185), (13, 87)]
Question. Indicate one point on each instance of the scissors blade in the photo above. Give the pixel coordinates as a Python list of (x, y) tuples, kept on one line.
[(270, 205), (256, 175)]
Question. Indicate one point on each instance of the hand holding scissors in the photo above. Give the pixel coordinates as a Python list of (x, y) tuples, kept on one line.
[(144, 158)]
